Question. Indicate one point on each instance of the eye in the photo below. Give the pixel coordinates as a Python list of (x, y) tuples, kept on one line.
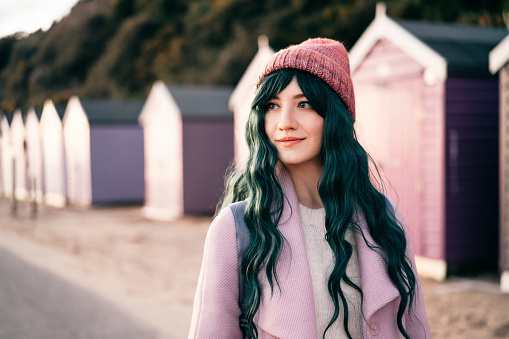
[(304, 105), (270, 106)]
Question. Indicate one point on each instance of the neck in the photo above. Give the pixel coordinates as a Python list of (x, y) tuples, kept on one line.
[(305, 181)]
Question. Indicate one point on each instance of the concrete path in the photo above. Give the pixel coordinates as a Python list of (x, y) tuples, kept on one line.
[(36, 304)]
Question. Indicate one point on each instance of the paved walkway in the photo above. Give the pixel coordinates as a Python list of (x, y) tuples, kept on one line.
[(39, 305)]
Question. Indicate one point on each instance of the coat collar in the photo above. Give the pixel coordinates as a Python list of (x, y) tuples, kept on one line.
[(377, 288), (294, 275)]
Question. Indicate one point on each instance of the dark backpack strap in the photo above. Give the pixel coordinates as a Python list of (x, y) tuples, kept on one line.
[(243, 241), (390, 209)]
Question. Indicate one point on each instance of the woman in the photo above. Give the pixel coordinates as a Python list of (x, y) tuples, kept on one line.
[(328, 257)]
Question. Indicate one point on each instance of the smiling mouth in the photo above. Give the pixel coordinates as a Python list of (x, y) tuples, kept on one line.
[(289, 141)]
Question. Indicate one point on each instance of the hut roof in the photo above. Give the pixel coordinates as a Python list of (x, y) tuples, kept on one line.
[(60, 108), (202, 102), (465, 48), (448, 49), (499, 55), (111, 112), (8, 116), (37, 111)]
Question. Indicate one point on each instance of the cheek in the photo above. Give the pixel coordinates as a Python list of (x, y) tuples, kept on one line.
[(269, 127), (318, 130)]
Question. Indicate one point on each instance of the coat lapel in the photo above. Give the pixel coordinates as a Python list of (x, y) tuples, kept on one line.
[(294, 306), (377, 287)]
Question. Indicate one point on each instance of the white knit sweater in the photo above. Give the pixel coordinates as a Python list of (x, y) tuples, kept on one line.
[(321, 263)]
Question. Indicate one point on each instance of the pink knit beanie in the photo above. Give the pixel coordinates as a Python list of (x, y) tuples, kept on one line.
[(322, 57)]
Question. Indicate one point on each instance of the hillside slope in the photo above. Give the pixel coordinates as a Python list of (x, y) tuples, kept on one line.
[(117, 48)]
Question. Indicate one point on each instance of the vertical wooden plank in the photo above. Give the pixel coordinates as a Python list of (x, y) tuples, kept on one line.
[(504, 168), (400, 120), (208, 151)]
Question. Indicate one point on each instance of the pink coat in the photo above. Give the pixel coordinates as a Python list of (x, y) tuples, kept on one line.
[(291, 313)]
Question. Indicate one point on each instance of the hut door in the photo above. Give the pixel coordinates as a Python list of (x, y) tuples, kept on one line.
[(388, 120)]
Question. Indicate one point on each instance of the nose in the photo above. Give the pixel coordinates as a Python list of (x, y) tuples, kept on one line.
[(287, 120)]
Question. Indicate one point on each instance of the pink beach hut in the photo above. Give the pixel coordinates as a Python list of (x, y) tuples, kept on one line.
[(427, 111), (52, 146), (18, 148), (243, 95), (33, 155), (5, 156), (188, 135), (104, 151), (499, 63)]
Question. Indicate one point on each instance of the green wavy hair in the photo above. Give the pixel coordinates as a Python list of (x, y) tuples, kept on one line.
[(345, 186)]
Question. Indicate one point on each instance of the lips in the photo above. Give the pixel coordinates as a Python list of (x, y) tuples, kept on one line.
[(289, 141)]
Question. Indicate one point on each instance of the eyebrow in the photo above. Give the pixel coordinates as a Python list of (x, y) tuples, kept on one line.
[(297, 96)]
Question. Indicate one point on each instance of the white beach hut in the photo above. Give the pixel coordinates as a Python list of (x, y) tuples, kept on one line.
[(5, 156), (52, 145), (243, 95), (77, 143), (34, 159), (18, 147)]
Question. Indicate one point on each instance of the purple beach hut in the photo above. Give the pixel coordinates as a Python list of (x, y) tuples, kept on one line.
[(427, 111), (188, 147), (104, 151)]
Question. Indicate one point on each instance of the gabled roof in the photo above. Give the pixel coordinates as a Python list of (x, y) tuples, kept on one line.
[(17, 123), (8, 116), (202, 102), (447, 49), (465, 48), (37, 111), (108, 111), (499, 55)]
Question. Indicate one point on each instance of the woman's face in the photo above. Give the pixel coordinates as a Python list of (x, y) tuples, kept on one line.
[(294, 127)]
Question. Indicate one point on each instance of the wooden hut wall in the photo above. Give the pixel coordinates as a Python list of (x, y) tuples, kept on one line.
[(472, 169), (504, 168), (400, 121), (6, 157), (432, 153), (77, 146), (52, 141), (162, 131), (117, 164), (18, 147), (208, 151), (34, 159)]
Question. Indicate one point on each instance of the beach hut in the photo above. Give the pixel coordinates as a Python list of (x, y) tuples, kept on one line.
[(499, 63), (104, 151), (18, 149), (427, 111), (52, 146), (188, 147), (242, 96), (5, 156), (33, 155)]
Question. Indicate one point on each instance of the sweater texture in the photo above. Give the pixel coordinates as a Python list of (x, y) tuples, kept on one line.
[(321, 262)]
